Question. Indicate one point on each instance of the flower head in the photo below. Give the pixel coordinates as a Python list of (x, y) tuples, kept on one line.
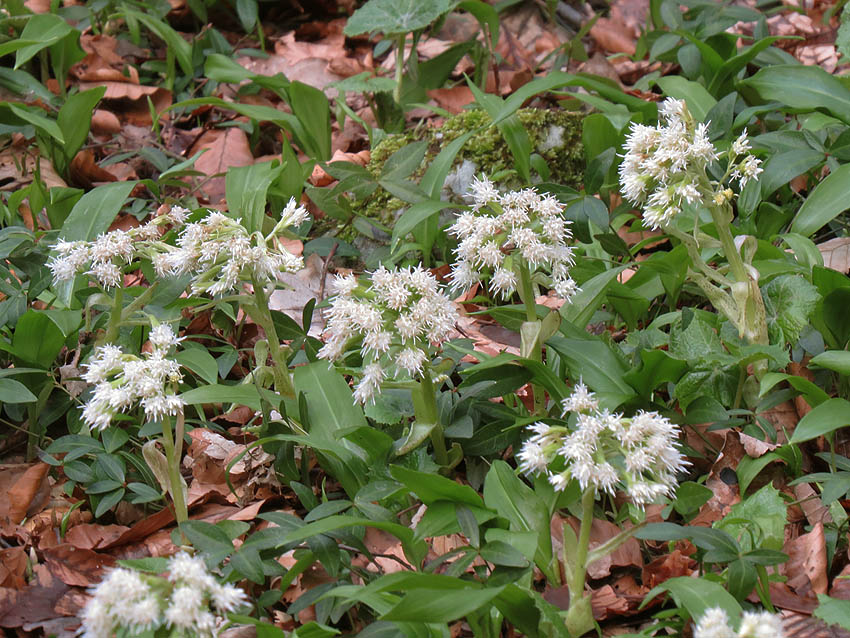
[(606, 450), (715, 624), (505, 229), (122, 380), (190, 599), (664, 167), (220, 254), (399, 318)]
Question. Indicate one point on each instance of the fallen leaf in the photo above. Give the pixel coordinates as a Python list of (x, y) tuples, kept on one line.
[(13, 568), (672, 565), (76, 566), (452, 99), (626, 555), (86, 172), (33, 604), (806, 568), (613, 36), (836, 254), (91, 536), (223, 148), (28, 495)]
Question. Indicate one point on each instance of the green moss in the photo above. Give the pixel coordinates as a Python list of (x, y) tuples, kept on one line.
[(554, 135)]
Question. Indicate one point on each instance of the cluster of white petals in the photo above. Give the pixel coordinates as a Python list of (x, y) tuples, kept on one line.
[(664, 167), (220, 253), (122, 380), (399, 317), (501, 230), (606, 450), (190, 600), (715, 624), (105, 257)]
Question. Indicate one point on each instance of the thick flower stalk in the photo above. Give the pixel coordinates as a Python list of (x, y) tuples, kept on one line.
[(122, 381), (398, 320), (665, 169), (715, 624), (221, 254), (605, 451), (190, 600), (509, 239)]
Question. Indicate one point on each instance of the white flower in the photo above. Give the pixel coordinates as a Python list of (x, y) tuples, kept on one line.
[(503, 228), (581, 400), (162, 336), (715, 624), (399, 317)]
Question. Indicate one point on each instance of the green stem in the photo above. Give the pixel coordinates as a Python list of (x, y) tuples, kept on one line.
[(730, 251), (429, 414), (172, 456), (263, 316), (579, 618), (533, 350), (113, 326), (399, 67)]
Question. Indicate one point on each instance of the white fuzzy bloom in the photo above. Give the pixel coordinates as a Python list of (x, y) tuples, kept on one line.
[(605, 450), (400, 317), (664, 167), (715, 624), (503, 229), (122, 380), (220, 254)]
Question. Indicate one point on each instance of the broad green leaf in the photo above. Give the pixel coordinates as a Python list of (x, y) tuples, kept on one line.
[(208, 538), (12, 391), (766, 511), (802, 87), (783, 167), (246, 189), (329, 401), (312, 110), (45, 29), (75, 120), (826, 201), (434, 178), (690, 497), (835, 360), (749, 468), (35, 117), (506, 494), (699, 100), (789, 300), (394, 17), (813, 393), (95, 211), (833, 611), (199, 361), (823, 419), (177, 46), (37, 340), (431, 488), (414, 217), (696, 595), (239, 394), (698, 341), (439, 605), (584, 303)]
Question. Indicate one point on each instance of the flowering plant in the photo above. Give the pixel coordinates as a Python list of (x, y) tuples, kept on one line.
[(664, 169), (603, 451), (715, 624), (190, 600), (400, 320)]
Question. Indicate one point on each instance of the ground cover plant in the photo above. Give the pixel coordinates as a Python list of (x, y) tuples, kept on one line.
[(424, 319)]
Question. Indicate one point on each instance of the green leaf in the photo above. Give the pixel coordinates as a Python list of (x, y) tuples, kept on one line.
[(246, 189), (690, 497), (783, 167), (741, 578), (108, 501), (767, 511), (95, 211), (177, 46), (699, 100), (698, 341), (584, 303), (835, 360), (37, 340), (432, 487), (208, 538), (802, 87), (239, 394), (696, 595), (593, 361), (789, 300), (35, 117), (12, 391), (329, 401), (75, 119), (415, 217), (826, 201), (394, 17), (312, 111), (823, 419), (813, 393), (45, 29), (199, 361), (833, 611), (506, 494), (439, 605)]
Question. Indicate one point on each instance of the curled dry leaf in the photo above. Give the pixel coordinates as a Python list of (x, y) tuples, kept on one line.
[(627, 555), (13, 568), (672, 565), (92, 536), (28, 495), (223, 148), (77, 566), (806, 568)]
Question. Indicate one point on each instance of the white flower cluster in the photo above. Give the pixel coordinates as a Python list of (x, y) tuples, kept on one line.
[(121, 380), (220, 253), (502, 229), (105, 257), (399, 316), (606, 450), (664, 166), (138, 603), (715, 624)]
